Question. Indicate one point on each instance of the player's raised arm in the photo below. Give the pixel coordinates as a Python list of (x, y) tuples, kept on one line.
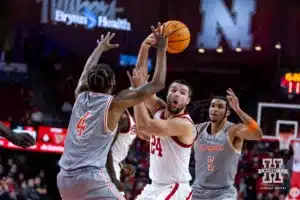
[(249, 130), (131, 97), (103, 45), (173, 127), (153, 103)]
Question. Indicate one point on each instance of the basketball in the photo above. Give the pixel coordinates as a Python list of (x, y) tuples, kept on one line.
[(179, 38)]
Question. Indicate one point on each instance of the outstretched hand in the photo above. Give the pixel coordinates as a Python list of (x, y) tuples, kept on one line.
[(105, 42), (161, 38), (233, 100), (24, 140), (138, 77)]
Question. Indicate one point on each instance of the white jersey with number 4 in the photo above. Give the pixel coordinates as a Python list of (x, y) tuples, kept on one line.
[(169, 158)]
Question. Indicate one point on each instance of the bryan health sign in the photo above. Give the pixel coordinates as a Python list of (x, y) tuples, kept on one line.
[(90, 14)]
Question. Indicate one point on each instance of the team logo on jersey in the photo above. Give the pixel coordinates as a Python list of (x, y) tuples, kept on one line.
[(272, 170), (216, 147)]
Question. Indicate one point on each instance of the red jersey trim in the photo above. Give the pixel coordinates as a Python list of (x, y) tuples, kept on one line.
[(173, 191), (158, 109), (175, 138), (106, 129), (129, 121), (189, 197), (111, 187)]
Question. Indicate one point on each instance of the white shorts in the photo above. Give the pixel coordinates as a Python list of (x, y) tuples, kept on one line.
[(118, 174), (176, 191), (118, 171)]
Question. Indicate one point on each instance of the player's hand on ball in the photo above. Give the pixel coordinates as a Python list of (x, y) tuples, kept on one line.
[(24, 140), (161, 38), (105, 42), (233, 100), (138, 77)]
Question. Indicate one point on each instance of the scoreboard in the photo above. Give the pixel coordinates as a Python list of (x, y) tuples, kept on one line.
[(291, 81)]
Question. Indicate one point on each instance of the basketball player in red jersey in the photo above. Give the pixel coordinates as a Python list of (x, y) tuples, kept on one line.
[(172, 134)]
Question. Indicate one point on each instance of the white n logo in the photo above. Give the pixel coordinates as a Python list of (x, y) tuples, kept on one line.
[(234, 25)]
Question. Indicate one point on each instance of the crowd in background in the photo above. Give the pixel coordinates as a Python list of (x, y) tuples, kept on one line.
[(19, 181)]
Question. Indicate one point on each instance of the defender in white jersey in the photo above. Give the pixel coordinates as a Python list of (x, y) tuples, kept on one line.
[(172, 135), (217, 149), (119, 149), (122, 144), (94, 122)]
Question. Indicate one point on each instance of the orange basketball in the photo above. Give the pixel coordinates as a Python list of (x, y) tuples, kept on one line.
[(179, 39)]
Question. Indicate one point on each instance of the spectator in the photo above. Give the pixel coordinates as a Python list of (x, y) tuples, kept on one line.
[(4, 192), (37, 116), (29, 192), (41, 189)]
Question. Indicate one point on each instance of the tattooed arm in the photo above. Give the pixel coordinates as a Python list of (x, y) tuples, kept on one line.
[(153, 103), (129, 98)]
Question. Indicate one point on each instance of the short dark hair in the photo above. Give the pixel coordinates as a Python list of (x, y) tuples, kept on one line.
[(221, 98), (100, 77), (227, 108), (184, 82)]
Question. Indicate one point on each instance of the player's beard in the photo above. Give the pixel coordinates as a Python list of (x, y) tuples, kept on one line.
[(175, 111)]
